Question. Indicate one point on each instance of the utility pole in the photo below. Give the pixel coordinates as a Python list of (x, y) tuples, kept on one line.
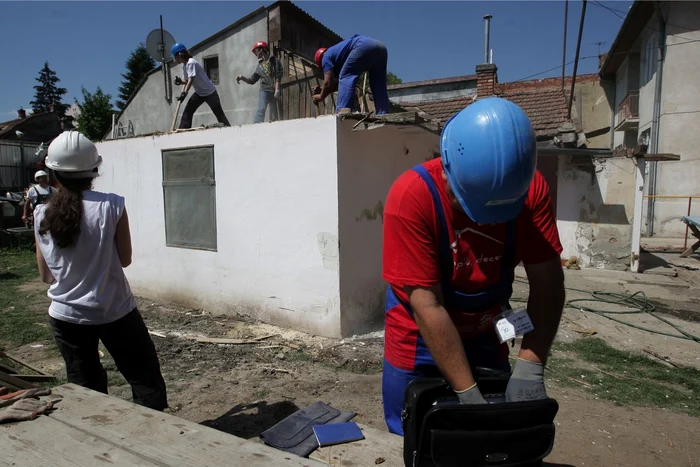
[(563, 58), (578, 49)]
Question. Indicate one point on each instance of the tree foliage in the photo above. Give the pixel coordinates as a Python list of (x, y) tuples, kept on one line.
[(392, 79), (138, 64), (95, 118), (47, 93)]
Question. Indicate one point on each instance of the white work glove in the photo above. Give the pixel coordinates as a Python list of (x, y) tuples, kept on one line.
[(471, 396), (277, 94), (526, 383)]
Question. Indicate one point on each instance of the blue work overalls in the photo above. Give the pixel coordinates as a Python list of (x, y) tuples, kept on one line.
[(481, 350), (355, 56)]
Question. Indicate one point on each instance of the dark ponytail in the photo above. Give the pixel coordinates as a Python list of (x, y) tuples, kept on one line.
[(64, 211)]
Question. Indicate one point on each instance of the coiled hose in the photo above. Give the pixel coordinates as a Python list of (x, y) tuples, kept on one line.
[(636, 302)]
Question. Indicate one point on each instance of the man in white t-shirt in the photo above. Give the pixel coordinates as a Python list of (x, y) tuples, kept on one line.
[(204, 90), (38, 194)]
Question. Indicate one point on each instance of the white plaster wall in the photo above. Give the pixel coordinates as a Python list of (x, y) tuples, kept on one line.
[(277, 222), (149, 111), (620, 93), (433, 92), (595, 207), (369, 161), (680, 119)]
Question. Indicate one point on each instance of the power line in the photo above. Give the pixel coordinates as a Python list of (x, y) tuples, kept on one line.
[(558, 67), (616, 13)]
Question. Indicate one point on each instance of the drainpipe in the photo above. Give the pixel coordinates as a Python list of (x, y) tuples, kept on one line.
[(656, 123)]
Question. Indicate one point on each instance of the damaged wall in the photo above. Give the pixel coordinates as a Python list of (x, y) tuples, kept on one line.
[(368, 163), (276, 222), (595, 206)]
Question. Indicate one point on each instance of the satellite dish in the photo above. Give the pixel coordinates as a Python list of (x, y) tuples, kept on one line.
[(158, 44)]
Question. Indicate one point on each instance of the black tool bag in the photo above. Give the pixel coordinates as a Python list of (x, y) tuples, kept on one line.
[(450, 435)]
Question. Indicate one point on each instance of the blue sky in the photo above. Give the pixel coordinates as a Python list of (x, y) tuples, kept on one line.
[(87, 43)]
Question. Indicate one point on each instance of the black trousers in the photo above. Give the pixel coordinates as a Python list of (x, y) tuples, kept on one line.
[(128, 342), (193, 104)]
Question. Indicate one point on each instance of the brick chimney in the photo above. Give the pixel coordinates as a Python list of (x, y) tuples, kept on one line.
[(486, 80), (22, 113)]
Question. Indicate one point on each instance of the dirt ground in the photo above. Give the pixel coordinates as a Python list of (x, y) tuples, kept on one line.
[(245, 388)]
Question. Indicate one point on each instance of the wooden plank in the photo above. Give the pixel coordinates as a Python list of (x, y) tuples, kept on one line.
[(163, 437), (377, 444), (46, 441), (35, 378), (13, 381), (24, 364)]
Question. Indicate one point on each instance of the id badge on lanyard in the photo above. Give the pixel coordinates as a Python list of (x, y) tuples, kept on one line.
[(512, 323)]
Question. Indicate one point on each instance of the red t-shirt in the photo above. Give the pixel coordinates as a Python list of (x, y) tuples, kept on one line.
[(410, 251)]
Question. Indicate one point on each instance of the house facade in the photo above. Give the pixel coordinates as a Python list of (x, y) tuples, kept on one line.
[(293, 35), (653, 67)]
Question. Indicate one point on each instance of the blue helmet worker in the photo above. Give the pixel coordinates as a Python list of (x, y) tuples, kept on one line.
[(204, 89), (342, 66), (455, 228)]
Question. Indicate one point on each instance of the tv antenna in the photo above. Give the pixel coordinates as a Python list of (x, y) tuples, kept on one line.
[(158, 44), (599, 43)]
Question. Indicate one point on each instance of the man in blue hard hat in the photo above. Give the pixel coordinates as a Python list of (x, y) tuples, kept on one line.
[(204, 89), (455, 228), (342, 65)]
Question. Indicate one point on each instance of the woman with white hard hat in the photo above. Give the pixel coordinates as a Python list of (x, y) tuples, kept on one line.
[(83, 244), (36, 195)]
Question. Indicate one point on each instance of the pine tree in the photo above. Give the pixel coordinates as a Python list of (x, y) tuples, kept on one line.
[(48, 93), (95, 117), (138, 64)]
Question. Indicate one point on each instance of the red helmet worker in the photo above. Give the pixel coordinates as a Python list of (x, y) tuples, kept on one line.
[(342, 65), (269, 72)]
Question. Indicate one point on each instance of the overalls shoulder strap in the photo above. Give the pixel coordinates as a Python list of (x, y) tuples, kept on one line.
[(480, 301)]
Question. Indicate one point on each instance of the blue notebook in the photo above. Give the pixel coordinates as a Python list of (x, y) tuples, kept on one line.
[(337, 433)]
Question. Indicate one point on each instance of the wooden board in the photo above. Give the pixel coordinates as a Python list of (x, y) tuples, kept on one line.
[(377, 444), (12, 381), (48, 442), (155, 438)]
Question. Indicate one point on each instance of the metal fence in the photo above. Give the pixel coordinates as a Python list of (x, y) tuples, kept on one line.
[(15, 173)]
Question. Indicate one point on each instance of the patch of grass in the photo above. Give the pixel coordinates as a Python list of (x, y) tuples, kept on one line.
[(20, 323), (625, 378), (260, 394)]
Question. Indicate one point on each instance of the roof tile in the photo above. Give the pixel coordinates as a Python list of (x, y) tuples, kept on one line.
[(543, 102)]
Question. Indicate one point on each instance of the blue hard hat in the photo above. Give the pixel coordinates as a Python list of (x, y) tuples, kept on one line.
[(177, 48), (489, 154)]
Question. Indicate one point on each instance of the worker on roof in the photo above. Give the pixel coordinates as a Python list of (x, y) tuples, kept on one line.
[(204, 90), (82, 245), (342, 66), (269, 72), (455, 227), (36, 195)]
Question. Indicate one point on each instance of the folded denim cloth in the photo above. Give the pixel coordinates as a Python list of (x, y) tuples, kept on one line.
[(295, 434)]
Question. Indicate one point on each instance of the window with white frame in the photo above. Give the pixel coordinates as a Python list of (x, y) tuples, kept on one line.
[(189, 194), (649, 59)]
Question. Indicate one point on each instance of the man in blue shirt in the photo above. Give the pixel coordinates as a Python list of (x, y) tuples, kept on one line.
[(342, 66)]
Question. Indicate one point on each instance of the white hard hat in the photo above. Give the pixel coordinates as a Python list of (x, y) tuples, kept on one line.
[(72, 154), (40, 173)]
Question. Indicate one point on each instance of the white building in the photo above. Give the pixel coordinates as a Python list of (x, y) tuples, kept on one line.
[(655, 65), (285, 229)]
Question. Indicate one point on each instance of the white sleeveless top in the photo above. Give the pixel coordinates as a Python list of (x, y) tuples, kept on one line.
[(90, 286)]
